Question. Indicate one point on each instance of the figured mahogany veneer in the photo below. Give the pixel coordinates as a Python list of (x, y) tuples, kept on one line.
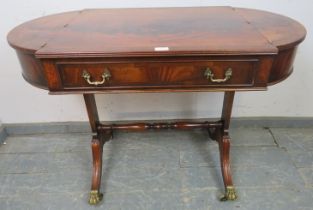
[(158, 74), (124, 33), (157, 50)]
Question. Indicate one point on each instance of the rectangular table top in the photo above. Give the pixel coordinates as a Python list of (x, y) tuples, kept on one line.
[(156, 31)]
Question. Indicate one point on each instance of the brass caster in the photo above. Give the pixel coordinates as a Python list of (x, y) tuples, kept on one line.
[(95, 197), (230, 194)]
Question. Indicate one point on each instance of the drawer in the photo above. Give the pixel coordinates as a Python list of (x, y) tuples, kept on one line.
[(102, 75)]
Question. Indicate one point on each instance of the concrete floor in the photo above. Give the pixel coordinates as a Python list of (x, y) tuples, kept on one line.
[(272, 169)]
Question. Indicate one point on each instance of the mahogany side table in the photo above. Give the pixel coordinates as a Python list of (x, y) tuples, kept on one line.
[(199, 49)]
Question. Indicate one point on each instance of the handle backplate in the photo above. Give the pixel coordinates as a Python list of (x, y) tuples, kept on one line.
[(209, 75), (105, 77)]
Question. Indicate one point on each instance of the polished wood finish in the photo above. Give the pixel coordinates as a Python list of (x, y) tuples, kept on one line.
[(160, 125), (224, 144), (97, 150), (97, 143), (153, 74), (157, 31), (137, 32), (157, 50), (281, 31), (92, 111), (148, 74)]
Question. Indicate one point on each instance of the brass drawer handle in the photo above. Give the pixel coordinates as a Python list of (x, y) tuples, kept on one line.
[(105, 77), (209, 75)]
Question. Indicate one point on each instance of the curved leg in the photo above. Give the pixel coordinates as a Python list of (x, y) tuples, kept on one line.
[(97, 148), (224, 146)]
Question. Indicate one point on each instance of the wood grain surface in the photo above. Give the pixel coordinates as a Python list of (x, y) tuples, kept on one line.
[(209, 32)]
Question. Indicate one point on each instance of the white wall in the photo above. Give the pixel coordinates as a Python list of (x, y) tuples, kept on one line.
[(20, 102)]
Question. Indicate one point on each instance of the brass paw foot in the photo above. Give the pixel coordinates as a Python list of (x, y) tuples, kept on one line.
[(95, 197), (230, 194)]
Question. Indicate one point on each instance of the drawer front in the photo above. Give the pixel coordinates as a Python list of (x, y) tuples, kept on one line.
[(157, 74)]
